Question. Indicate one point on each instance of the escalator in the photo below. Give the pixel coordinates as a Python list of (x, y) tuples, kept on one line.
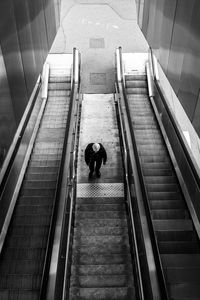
[(25, 248), (175, 234)]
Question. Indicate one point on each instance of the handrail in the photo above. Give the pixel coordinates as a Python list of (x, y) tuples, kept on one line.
[(138, 268), (144, 192), (18, 136), (172, 119), (22, 173), (65, 165)]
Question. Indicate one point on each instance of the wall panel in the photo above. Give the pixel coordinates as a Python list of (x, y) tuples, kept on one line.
[(27, 31), (172, 28)]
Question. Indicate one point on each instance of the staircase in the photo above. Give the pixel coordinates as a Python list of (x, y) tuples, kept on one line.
[(22, 259), (177, 240)]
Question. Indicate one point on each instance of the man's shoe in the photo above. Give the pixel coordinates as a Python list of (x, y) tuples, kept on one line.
[(98, 174), (90, 175)]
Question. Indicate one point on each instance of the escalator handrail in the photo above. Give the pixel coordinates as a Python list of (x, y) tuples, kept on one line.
[(144, 192), (191, 162), (127, 186), (8, 162), (68, 131)]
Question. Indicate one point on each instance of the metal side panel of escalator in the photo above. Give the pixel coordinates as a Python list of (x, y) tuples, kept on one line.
[(175, 233), (24, 251)]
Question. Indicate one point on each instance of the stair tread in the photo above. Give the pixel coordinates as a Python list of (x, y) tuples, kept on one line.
[(101, 280), (101, 269), (116, 293)]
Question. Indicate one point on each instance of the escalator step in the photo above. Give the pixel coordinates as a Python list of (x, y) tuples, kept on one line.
[(165, 235), (101, 281), (46, 156), (179, 247), (155, 159), (167, 214), (106, 249), (39, 184), (162, 187), (181, 261), (35, 200), (177, 225), (138, 98), (100, 241), (166, 204), (59, 79), (141, 142), (157, 172), (50, 192), (59, 93), (101, 222), (59, 86), (185, 291), (100, 215), (137, 91), (160, 179), (100, 231), (117, 269), (120, 293), (136, 77), (166, 195), (180, 276), (13, 294), (152, 153), (47, 164), (43, 169), (15, 267), (32, 220), (34, 254), (145, 127), (41, 176), (100, 259), (28, 230), (136, 84), (100, 207), (20, 281), (100, 200), (33, 210), (26, 241), (151, 164)]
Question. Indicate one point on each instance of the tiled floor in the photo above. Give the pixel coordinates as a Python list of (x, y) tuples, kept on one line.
[(99, 124), (97, 29)]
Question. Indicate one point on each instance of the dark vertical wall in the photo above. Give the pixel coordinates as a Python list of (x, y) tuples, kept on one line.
[(27, 31), (172, 29)]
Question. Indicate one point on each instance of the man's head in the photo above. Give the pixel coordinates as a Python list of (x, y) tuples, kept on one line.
[(96, 147)]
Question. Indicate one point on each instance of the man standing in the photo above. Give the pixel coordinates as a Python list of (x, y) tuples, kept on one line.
[(95, 153)]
